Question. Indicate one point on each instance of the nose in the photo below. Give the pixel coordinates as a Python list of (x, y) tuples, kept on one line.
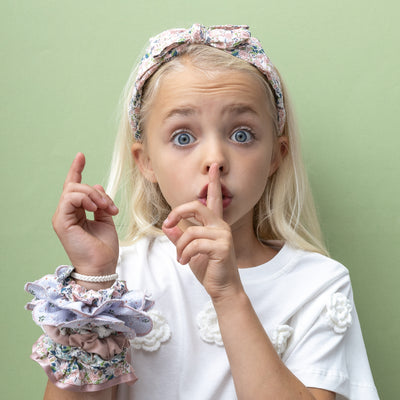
[(215, 153), (221, 167)]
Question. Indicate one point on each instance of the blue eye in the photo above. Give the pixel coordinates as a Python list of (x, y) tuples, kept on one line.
[(242, 136), (183, 139)]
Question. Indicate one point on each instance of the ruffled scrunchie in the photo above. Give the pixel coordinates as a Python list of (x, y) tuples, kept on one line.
[(87, 332)]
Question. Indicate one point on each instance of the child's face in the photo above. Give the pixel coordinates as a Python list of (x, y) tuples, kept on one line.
[(198, 119)]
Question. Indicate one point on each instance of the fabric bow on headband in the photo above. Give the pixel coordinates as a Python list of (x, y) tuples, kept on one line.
[(233, 39)]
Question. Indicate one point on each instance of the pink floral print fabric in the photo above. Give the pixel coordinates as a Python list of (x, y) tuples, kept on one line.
[(234, 39)]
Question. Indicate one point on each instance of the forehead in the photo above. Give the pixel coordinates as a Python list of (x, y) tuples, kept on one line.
[(189, 88)]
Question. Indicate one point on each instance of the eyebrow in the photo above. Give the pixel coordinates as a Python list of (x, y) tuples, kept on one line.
[(240, 109), (187, 111)]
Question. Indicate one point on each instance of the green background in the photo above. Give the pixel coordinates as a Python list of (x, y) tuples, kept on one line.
[(63, 66)]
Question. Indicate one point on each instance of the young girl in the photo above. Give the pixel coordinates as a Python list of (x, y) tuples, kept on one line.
[(221, 232)]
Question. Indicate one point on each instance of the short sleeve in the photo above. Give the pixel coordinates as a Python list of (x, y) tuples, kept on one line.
[(326, 349)]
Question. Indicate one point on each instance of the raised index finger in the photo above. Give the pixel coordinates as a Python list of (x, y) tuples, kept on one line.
[(75, 171), (214, 193)]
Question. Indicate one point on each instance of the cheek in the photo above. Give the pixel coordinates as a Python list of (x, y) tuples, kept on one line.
[(257, 172), (257, 166), (172, 185), (172, 179)]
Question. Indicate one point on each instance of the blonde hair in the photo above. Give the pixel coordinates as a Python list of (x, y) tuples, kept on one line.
[(286, 209)]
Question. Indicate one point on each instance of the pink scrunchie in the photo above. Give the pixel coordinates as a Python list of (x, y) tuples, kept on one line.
[(106, 348)]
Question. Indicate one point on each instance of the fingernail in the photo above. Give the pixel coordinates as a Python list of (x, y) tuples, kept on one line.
[(166, 221)]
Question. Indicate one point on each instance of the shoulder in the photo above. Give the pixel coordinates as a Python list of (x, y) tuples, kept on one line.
[(309, 278), (315, 269), (316, 260), (326, 347), (293, 280)]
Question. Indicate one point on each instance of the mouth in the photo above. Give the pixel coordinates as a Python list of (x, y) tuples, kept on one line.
[(226, 196)]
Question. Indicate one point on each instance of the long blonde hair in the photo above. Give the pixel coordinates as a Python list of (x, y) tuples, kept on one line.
[(286, 209)]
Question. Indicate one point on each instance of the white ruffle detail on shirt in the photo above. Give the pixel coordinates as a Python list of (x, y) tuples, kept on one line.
[(338, 312), (207, 323), (280, 336), (160, 333)]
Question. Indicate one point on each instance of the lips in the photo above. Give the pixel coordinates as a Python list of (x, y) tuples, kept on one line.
[(226, 196)]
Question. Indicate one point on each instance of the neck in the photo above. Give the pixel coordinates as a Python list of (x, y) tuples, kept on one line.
[(250, 252)]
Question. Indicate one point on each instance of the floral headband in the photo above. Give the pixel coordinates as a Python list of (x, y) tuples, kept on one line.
[(234, 39)]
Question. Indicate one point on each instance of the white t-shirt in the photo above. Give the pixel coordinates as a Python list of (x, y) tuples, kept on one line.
[(304, 301)]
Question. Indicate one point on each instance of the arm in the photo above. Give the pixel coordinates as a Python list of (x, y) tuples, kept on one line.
[(91, 245), (257, 370), (53, 392)]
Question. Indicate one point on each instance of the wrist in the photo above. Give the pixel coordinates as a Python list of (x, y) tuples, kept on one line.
[(95, 270), (85, 273), (94, 285), (94, 282), (230, 299)]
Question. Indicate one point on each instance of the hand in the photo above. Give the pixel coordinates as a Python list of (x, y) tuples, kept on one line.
[(208, 247), (92, 245)]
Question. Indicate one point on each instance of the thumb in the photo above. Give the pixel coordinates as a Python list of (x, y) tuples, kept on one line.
[(103, 216)]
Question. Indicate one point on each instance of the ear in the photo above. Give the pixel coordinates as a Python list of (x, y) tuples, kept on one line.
[(281, 149), (143, 162)]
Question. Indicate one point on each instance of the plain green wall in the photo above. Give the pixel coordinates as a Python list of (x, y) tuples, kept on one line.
[(63, 66)]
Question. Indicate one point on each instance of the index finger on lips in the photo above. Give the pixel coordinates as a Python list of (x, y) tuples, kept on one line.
[(214, 192), (75, 172)]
